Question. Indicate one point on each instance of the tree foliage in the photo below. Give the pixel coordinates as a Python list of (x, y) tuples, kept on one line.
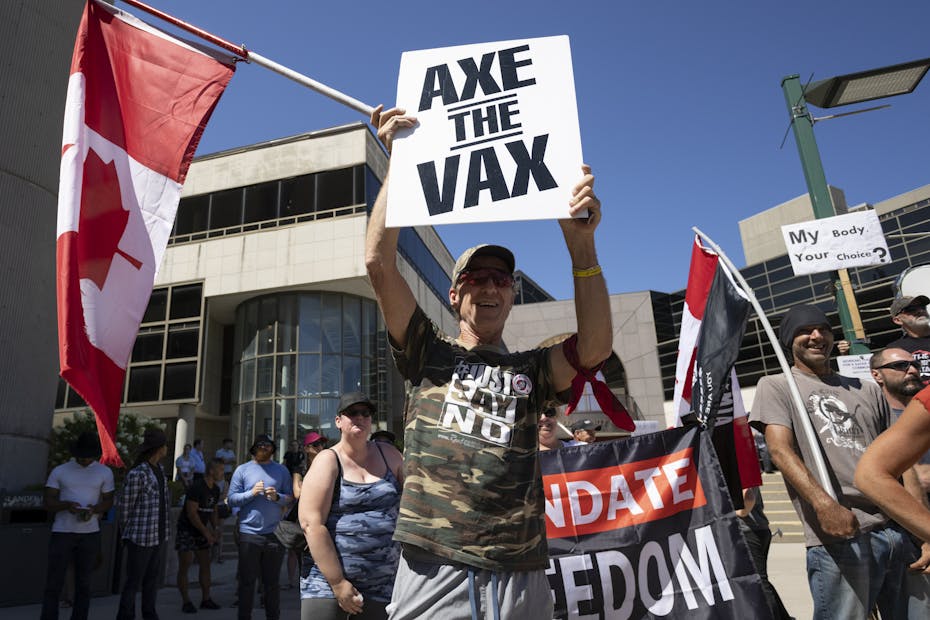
[(129, 432)]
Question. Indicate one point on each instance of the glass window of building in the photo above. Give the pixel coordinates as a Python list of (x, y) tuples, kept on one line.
[(193, 215), (312, 348), (261, 203), (226, 209), (297, 195), (334, 189), (165, 358), (158, 306)]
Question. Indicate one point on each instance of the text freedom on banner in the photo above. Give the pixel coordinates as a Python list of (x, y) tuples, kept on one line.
[(645, 528)]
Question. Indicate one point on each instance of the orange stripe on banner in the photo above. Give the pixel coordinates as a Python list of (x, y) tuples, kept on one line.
[(610, 498)]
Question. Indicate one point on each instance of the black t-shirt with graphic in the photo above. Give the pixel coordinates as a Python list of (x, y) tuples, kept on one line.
[(206, 497)]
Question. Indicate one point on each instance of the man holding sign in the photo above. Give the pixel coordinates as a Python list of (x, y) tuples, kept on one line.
[(472, 514)]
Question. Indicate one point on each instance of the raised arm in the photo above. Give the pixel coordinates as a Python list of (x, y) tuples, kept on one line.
[(887, 459), (592, 304), (394, 295)]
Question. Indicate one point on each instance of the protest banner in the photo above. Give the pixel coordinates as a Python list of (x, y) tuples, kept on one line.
[(850, 240), (497, 135), (644, 528)]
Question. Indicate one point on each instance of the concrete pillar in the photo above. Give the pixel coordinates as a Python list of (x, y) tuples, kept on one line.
[(184, 432), (36, 43)]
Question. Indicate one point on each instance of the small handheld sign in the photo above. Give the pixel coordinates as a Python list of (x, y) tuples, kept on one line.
[(497, 135)]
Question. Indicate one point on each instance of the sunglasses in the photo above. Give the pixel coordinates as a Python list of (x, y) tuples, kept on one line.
[(365, 412), (912, 310), (318, 444), (501, 278), (900, 365)]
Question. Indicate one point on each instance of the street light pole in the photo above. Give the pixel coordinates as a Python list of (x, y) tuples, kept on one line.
[(803, 125)]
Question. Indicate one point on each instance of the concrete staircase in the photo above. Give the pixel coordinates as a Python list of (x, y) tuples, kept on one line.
[(780, 511)]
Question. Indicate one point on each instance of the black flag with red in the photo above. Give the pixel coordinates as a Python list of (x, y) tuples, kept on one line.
[(718, 345), (644, 528)]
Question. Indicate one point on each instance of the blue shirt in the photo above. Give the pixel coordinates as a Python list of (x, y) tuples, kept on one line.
[(199, 465), (257, 514)]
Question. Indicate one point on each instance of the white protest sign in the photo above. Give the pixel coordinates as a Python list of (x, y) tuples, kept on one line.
[(839, 242), (497, 135), (856, 366)]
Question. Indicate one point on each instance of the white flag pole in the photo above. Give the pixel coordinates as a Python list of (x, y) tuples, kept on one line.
[(242, 52), (323, 89), (820, 466)]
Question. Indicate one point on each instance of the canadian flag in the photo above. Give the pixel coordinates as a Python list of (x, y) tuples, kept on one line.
[(713, 322), (138, 101)]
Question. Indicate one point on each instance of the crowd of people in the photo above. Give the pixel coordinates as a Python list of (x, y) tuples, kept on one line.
[(454, 527)]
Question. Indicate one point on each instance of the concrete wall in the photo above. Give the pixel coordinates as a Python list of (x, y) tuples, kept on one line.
[(761, 233), (902, 200), (329, 149), (36, 43), (634, 341)]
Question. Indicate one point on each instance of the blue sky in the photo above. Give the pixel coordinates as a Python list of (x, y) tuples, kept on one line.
[(679, 103)]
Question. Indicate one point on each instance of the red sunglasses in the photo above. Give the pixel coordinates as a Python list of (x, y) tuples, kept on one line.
[(501, 278)]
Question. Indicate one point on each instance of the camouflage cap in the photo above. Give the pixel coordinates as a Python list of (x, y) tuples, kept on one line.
[(484, 249)]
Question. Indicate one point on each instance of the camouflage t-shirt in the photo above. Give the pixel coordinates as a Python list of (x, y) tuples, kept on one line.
[(472, 490)]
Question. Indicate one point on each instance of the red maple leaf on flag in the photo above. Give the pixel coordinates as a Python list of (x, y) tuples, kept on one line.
[(102, 221)]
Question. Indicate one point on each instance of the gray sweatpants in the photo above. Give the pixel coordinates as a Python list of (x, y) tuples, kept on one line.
[(439, 590)]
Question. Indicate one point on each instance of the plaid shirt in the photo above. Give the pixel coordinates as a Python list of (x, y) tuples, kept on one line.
[(138, 506)]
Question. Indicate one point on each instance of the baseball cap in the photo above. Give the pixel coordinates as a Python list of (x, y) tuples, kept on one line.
[(384, 434), (260, 439), (354, 398), (907, 301), (587, 425), (482, 250), (312, 437)]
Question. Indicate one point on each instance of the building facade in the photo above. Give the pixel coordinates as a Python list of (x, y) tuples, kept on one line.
[(905, 221), (262, 314)]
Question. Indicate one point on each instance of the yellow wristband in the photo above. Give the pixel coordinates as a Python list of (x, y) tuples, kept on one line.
[(586, 273)]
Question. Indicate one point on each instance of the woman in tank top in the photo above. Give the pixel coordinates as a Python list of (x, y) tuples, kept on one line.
[(348, 510)]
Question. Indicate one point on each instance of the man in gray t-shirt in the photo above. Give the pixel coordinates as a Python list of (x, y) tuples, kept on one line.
[(853, 552)]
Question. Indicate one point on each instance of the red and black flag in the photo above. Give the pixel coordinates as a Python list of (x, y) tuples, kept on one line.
[(713, 325)]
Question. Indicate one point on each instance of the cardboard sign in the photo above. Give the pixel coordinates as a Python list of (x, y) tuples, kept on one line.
[(856, 366), (840, 242), (497, 135)]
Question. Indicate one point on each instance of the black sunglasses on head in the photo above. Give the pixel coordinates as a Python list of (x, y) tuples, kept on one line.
[(901, 365)]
